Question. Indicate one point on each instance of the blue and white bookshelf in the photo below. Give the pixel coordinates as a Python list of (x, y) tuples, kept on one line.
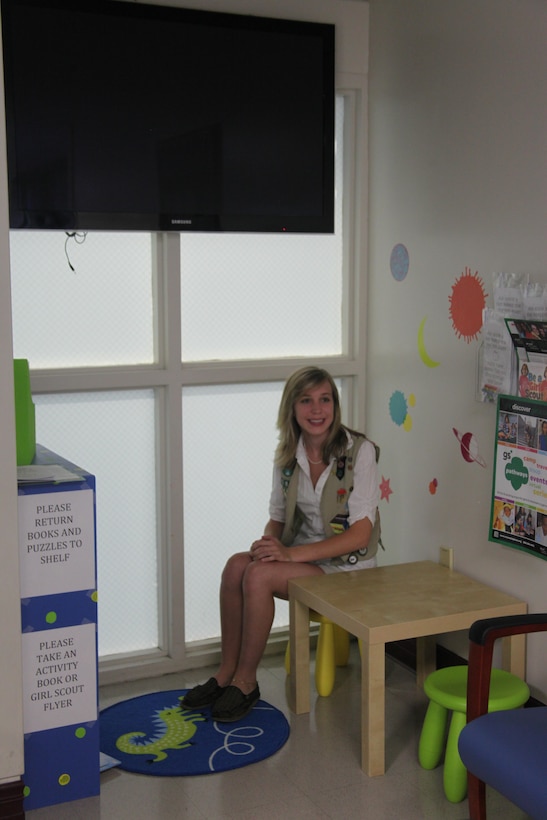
[(57, 551)]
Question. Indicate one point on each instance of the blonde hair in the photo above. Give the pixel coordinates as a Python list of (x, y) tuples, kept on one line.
[(289, 429)]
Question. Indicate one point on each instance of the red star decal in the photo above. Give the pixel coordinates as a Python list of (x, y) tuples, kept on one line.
[(385, 489)]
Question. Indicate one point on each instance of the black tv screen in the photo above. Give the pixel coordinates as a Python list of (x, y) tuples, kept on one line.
[(127, 116)]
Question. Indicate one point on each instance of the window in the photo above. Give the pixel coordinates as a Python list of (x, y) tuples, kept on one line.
[(157, 364)]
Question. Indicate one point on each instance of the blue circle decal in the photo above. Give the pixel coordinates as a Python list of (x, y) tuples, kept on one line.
[(399, 262)]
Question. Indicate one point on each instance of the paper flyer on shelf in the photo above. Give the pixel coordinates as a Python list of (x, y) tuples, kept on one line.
[(530, 344), (512, 358), (519, 496)]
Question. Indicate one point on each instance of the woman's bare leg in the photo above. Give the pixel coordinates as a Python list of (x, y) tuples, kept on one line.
[(231, 615), (247, 608), (261, 583)]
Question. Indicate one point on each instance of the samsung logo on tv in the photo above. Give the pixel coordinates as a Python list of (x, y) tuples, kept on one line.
[(181, 222)]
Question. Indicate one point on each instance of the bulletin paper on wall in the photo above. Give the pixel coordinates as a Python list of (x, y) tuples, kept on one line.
[(519, 497)]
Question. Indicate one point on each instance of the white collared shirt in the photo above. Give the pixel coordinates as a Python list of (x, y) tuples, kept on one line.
[(362, 502)]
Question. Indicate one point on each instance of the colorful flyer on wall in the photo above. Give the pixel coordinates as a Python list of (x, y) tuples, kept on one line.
[(530, 345), (519, 496)]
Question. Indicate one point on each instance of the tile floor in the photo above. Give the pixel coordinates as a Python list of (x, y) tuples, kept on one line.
[(316, 774)]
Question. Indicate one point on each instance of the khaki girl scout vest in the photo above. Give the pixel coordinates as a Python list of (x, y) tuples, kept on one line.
[(334, 504)]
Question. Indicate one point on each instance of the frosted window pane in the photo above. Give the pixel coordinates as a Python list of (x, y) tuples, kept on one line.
[(100, 314), (251, 296), (229, 437), (112, 435)]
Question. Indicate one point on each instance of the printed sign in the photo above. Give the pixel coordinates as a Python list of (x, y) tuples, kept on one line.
[(56, 542), (59, 677)]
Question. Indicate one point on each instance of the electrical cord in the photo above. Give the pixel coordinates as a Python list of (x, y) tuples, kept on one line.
[(79, 238)]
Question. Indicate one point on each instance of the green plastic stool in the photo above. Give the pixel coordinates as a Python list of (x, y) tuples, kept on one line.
[(447, 690)]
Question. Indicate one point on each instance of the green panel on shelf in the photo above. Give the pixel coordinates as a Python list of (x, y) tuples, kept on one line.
[(25, 423)]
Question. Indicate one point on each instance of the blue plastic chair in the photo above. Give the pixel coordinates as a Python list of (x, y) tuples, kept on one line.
[(506, 750)]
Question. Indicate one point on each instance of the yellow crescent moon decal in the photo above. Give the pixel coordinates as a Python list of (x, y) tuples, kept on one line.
[(424, 356)]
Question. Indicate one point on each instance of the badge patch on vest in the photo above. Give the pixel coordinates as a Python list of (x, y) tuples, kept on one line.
[(341, 495), (286, 475), (340, 468), (339, 523), (341, 465)]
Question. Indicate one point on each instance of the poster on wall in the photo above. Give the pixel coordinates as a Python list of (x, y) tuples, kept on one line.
[(519, 495)]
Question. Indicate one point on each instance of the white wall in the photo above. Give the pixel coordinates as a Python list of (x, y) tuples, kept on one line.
[(11, 718), (458, 174)]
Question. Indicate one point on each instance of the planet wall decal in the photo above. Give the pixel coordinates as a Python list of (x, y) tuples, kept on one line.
[(469, 447)]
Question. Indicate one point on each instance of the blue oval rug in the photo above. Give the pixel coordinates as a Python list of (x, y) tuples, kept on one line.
[(151, 734)]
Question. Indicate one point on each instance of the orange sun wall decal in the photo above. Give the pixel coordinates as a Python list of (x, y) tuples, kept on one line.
[(467, 302)]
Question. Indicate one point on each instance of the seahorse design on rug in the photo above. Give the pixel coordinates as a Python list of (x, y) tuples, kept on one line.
[(176, 726)]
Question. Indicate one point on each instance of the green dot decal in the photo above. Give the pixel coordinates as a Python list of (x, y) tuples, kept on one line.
[(51, 617), (80, 732), (26, 791), (64, 780), (95, 596)]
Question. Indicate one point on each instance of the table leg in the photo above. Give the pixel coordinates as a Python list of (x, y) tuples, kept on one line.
[(513, 655), (373, 708), (426, 658), (299, 631)]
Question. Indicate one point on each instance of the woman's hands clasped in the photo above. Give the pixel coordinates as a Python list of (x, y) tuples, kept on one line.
[(269, 548)]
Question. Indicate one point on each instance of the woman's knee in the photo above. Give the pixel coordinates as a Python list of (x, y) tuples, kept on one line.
[(261, 577), (235, 568)]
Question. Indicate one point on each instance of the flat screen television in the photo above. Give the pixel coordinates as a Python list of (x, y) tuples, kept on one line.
[(127, 116)]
